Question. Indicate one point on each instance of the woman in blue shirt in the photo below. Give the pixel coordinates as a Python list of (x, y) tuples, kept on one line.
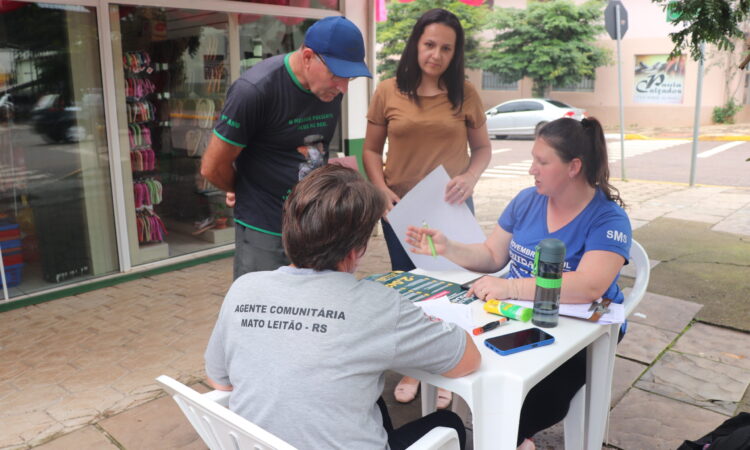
[(573, 201)]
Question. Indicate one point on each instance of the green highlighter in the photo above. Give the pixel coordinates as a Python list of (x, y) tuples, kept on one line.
[(429, 241)]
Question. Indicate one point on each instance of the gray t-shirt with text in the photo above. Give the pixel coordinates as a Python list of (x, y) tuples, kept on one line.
[(306, 353)]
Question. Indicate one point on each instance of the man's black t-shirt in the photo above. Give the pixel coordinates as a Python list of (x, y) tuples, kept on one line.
[(284, 130)]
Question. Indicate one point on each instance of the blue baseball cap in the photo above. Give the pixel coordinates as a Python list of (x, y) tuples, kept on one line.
[(339, 42)]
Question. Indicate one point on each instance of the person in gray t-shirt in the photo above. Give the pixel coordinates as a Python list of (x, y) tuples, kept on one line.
[(304, 348)]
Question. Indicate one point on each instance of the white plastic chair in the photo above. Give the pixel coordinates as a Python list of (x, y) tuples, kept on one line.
[(574, 422), (222, 429)]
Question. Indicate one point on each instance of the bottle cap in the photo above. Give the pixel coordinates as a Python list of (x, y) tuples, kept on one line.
[(551, 250)]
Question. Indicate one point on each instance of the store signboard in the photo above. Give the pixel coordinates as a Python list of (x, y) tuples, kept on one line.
[(659, 79)]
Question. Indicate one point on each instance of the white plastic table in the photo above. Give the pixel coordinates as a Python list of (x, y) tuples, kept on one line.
[(495, 392)]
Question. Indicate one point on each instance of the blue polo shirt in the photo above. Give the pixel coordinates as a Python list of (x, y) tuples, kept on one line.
[(602, 225)]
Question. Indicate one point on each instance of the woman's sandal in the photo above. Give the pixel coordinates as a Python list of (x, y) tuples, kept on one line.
[(444, 398), (406, 392)]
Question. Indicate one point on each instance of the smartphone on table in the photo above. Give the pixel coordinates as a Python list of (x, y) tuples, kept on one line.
[(519, 341)]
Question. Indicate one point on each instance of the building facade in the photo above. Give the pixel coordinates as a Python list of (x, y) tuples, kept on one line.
[(105, 111), (656, 92)]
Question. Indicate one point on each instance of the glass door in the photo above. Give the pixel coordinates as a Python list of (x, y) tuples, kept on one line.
[(56, 213)]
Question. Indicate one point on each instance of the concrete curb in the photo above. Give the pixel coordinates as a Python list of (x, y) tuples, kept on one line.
[(724, 138), (707, 137)]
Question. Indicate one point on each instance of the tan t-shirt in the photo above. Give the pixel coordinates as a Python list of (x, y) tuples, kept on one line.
[(420, 138)]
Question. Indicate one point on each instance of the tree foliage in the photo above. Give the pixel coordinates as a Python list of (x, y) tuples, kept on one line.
[(394, 32), (711, 21), (551, 42)]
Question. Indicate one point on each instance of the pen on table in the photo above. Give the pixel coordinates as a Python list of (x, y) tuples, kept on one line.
[(429, 241), (489, 326)]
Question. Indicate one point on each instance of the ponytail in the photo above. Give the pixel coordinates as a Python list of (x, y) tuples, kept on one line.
[(583, 140)]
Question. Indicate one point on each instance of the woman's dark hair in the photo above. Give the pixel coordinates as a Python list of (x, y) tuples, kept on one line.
[(408, 73), (331, 212), (583, 140)]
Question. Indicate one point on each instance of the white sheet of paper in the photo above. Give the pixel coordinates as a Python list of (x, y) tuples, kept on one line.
[(616, 312), (446, 311), (426, 203)]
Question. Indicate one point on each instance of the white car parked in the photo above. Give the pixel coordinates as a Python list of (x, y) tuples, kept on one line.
[(526, 116)]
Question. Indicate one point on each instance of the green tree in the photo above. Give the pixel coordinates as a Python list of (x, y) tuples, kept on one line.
[(394, 32), (551, 42), (715, 22)]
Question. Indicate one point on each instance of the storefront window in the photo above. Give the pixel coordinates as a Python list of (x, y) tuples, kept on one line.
[(174, 69), (264, 36), (56, 213), (318, 4)]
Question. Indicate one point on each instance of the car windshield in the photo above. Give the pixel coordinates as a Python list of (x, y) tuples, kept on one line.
[(559, 104)]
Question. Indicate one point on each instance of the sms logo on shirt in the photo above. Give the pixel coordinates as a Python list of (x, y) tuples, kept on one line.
[(617, 236)]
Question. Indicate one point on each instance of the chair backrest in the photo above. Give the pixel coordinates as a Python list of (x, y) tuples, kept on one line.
[(639, 258), (220, 428)]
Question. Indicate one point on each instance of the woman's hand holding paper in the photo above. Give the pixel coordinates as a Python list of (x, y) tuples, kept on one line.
[(460, 188)]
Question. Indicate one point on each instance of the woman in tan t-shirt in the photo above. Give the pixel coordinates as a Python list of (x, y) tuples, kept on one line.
[(428, 113)]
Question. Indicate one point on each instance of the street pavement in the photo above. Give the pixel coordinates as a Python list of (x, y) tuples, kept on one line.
[(78, 372)]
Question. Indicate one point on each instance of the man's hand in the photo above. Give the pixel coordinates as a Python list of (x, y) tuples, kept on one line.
[(230, 200)]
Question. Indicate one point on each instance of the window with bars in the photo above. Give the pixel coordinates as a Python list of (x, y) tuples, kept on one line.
[(585, 85), (493, 81)]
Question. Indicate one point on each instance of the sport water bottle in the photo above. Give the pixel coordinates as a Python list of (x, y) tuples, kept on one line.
[(548, 268)]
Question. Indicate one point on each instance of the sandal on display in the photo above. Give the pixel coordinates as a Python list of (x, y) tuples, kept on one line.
[(444, 398), (406, 390), (203, 225)]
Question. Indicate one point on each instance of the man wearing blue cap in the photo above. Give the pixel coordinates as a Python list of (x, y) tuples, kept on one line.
[(276, 125)]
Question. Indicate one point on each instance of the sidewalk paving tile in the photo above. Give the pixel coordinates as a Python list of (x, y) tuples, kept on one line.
[(737, 223), (645, 212), (84, 407), (88, 438), (636, 223), (696, 215), (629, 269), (698, 381), (552, 438), (717, 344), (34, 398), (625, 374), (32, 427), (647, 421), (159, 421), (644, 343), (664, 312)]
